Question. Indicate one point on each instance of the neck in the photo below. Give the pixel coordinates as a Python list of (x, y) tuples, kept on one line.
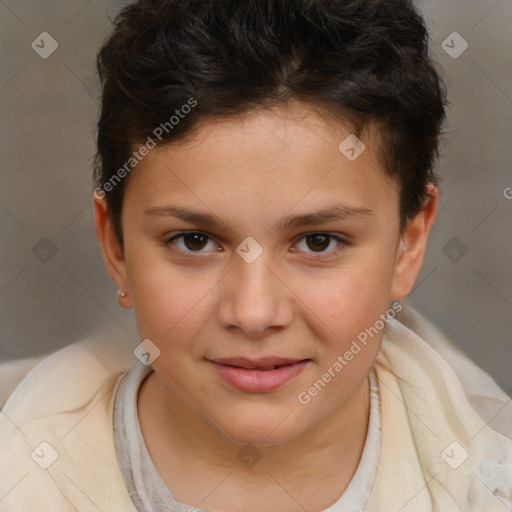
[(192, 457)]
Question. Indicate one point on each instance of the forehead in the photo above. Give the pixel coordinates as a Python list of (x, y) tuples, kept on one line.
[(284, 155)]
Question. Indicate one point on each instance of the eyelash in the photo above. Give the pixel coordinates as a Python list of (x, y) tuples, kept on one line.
[(169, 243)]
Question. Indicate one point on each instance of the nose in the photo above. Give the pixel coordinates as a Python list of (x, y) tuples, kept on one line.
[(255, 298)]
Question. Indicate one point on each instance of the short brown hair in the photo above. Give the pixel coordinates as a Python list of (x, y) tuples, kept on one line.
[(364, 61)]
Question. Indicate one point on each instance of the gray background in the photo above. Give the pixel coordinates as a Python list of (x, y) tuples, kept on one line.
[(49, 109)]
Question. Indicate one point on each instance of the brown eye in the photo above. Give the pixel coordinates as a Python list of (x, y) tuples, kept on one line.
[(318, 241), (193, 241)]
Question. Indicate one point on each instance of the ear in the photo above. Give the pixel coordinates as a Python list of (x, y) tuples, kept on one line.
[(412, 246), (113, 257)]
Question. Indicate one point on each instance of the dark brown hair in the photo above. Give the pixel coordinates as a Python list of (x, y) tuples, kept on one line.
[(365, 62)]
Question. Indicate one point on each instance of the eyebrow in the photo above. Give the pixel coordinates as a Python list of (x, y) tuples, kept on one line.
[(326, 214)]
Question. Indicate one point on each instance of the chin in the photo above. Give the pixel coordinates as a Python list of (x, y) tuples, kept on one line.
[(258, 437), (255, 429)]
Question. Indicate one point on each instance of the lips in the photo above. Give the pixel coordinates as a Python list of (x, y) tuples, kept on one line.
[(258, 375), (265, 364)]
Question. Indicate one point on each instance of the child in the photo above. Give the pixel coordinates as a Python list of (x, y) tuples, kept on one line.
[(265, 188)]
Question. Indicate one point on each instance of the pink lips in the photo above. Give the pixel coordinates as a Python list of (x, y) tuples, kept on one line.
[(260, 375)]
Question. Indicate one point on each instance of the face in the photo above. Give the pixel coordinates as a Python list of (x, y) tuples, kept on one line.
[(259, 243)]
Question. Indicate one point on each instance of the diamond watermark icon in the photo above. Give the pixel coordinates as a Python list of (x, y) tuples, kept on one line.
[(44, 250), (454, 45), (44, 45), (146, 352), (249, 455), (454, 250), (44, 455), (351, 148), (249, 249), (454, 455)]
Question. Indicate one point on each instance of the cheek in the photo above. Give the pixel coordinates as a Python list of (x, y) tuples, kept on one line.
[(349, 298), (166, 300), (351, 306)]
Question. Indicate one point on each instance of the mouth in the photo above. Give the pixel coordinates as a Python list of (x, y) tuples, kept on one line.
[(263, 364), (261, 375)]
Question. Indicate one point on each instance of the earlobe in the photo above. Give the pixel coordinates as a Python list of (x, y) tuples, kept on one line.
[(113, 256), (412, 247), (122, 299)]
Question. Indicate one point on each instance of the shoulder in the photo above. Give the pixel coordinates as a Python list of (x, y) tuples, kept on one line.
[(56, 429), (52, 383), (437, 403), (13, 372), (410, 334)]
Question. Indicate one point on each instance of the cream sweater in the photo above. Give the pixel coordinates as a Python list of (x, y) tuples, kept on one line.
[(446, 428)]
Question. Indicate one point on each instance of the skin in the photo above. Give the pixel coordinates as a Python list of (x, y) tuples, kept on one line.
[(199, 300)]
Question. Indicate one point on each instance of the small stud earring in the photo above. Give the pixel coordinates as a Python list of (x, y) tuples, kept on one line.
[(122, 294)]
